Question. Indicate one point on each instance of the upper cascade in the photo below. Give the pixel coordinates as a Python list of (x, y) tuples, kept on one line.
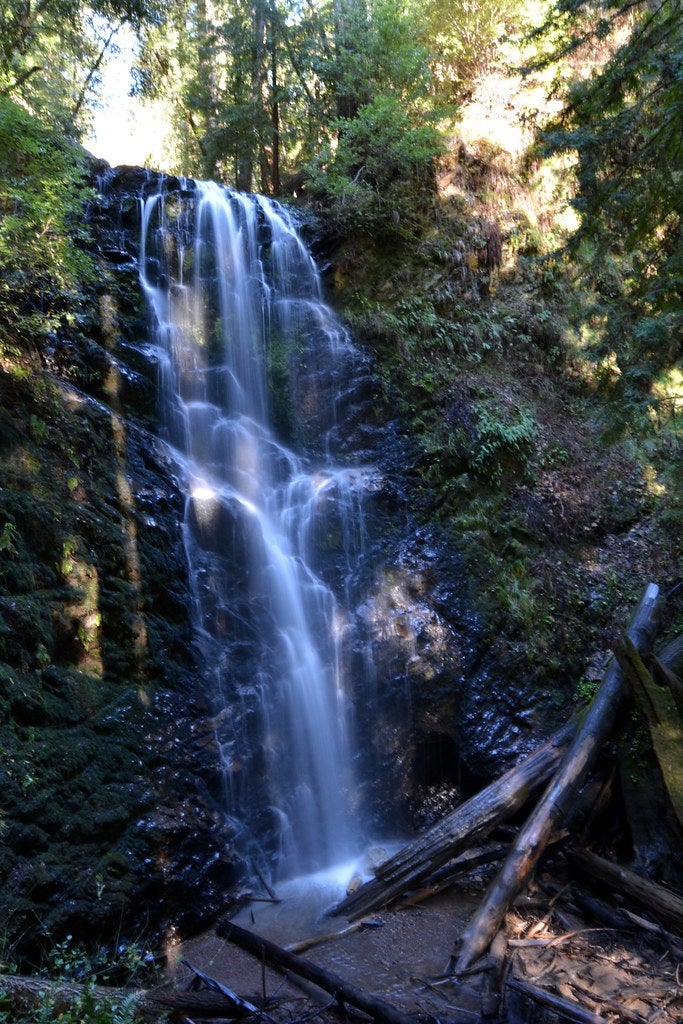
[(237, 318)]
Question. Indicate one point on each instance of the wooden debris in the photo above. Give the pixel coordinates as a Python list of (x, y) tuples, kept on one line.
[(556, 803), (319, 940), (413, 865), (239, 1007), (671, 655), (268, 951), (564, 1008), (443, 878), (670, 679), (24, 994), (491, 982), (658, 708), (663, 904)]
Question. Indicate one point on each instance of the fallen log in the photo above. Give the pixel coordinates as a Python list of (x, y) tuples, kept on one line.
[(239, 1007), (491, 982), (24, 994), (444, 877), (662, 903), (671, 655), (554, 808), (562, 1007), (319, 940), (266, 951), (414, 863), (657, 706), (670, 679)]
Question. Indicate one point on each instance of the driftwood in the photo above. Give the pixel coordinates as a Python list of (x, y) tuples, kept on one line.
[(446, 876), (343, 991), (239, 1007), (413, 866), (669, 678), (661, 903), (556, 803), (319, 940), (562, 1007), (671, 655), (491, 982)]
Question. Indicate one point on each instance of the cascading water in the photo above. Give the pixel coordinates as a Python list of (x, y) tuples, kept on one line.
[(238, 317)]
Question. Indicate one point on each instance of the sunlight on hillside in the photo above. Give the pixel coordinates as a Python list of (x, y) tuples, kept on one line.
[(504, 110)]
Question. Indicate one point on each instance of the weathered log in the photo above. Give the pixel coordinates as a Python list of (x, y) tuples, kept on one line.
[(23, 994), (239, 1007), (344, 992), (412, 866), (671, 655), (562, 1007), (670, 679), (491, 982), (557, 801), (319, 940), (668, 668), (657, 706), (447, 875), (654, 827), (662, 903), (591, 907), (620, 919)]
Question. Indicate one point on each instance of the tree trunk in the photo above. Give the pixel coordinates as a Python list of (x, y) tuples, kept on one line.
[(471, 821), (274, 109), (556, 804)]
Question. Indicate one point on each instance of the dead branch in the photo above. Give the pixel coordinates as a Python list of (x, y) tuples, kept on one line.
[(556, 803)]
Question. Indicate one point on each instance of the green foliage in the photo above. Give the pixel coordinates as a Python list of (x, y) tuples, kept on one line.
[(503, 436), (259, 86), (381, 163), (42, 197), (463, 37), (377, 50), (51, 54), (66, 961), (8, 536), (89, 1008), (586, 690), (625, 125)]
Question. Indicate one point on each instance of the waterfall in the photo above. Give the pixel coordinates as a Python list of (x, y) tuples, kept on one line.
[(242, 339)]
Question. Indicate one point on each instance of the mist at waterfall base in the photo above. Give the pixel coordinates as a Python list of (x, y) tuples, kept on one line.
[(252, 367)]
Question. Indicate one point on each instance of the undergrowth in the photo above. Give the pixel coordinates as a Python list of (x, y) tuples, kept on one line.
[(65, 961), (528, 449)]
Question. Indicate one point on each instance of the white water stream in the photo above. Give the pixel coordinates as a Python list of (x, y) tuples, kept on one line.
[(233, 293)]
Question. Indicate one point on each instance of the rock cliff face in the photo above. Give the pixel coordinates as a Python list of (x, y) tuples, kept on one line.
[(111, 820), (115, 821)]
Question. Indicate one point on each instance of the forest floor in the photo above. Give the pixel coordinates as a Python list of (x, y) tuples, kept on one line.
[(402, 956)]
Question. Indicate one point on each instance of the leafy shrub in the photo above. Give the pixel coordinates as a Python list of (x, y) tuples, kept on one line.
[(65, 961), (504, 436), (42, 197), (382, 162)]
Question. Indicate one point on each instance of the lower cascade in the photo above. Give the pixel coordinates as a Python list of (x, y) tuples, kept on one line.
[(249, 358)]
